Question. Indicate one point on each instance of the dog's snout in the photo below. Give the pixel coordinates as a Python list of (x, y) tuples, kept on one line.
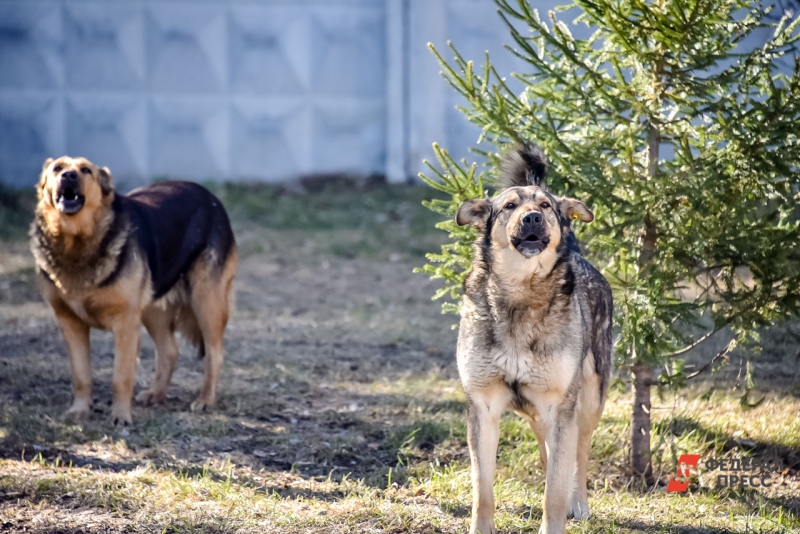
[(69, 176), (532, 218)]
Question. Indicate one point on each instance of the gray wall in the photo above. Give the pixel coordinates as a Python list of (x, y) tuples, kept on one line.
[(248, 90), (253, 90), (264, 90)]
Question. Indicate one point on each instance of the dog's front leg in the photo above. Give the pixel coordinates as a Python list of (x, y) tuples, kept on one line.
[(562, 439), (483, 432), (76, 334), (127, 336)]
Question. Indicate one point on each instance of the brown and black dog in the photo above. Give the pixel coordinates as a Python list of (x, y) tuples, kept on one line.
[(163, 256)]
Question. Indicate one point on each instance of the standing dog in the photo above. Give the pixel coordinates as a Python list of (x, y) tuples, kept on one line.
[(163, 256), (535, 336)]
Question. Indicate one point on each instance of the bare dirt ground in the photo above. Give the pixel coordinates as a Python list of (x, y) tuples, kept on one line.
[(340, 409)]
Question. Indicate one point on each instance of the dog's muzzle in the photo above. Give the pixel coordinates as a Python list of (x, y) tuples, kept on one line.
[(532, 235), (69, 199)]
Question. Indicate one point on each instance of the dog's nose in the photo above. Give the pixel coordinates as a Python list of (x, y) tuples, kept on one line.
[(69, 176), (532, 218)]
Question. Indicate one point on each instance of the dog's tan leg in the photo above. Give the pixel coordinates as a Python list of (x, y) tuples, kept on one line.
[(210, 303), (589, 411), (127, 337), (76, 334), (561, 440), (158, 325), (579, 503), (212, 324), (484, 409), (540, 432)]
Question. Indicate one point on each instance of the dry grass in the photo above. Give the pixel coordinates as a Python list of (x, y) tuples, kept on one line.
[(341, 409)]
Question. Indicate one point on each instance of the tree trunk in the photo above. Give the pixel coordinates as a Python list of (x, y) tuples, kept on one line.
[(643, 372), (640, 436)]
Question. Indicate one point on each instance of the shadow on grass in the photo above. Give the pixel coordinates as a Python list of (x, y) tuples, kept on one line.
[(320, 444)]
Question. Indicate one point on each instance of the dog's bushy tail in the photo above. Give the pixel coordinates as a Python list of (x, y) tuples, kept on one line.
[(523, 164), (187, 325)]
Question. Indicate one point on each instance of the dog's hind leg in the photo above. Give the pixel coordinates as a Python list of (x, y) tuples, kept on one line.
[(76, 334), (484, 409), (590, 408), (159, 325), (561, 439), (210, 301), (540, 432), (579, 504)]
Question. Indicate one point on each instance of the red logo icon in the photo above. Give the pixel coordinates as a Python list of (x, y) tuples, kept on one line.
[(680, 482)]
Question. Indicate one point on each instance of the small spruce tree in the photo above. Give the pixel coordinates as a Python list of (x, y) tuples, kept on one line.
[(682, 139)]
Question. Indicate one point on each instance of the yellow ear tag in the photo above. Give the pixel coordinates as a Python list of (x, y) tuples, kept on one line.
[(576, 216)]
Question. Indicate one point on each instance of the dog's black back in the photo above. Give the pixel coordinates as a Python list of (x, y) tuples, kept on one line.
[(173, 222)]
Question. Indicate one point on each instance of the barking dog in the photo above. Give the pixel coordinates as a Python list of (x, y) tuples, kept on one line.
[(163, 256), (535, 336)]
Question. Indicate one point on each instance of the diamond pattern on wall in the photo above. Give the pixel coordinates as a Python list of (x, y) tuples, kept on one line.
[(350, 136), (267, 140), (103, 46), (27, 136), (267, 51), (30, 38), (218, 89), (349, 52), (188, 138), (109, 130), (186, 48)]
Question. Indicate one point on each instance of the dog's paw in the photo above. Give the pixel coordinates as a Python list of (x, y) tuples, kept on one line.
[(578, 509), (150, 397), (80, 409), (482, 527), (121, 416), (202, 404)]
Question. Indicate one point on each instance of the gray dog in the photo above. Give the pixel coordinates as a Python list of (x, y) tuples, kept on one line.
[(535, 336)]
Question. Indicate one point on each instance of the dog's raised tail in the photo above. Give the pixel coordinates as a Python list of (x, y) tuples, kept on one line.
[(521, 165)]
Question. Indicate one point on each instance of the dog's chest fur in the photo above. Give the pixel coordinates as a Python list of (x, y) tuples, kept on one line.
[(87, 263), (525, 333)]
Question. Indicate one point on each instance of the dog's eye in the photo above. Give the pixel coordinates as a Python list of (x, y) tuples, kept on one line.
[(86, 170), (544, 205), (510, 206), (57, 168)]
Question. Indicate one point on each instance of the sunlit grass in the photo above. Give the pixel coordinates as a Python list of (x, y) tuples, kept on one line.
[(428, 489)]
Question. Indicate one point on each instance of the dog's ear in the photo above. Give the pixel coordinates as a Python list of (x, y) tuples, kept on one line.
[(575, 209), (106, 180), (43, 175), (474, 212), (45, 165)]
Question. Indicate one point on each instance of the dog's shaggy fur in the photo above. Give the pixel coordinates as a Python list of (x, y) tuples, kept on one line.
[(163, 256), (535, 336)]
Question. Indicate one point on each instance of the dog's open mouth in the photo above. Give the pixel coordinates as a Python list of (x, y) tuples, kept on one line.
[(530, 245), (69, 200)]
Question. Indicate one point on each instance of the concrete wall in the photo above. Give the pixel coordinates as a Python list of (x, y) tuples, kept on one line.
[(264, 90)]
